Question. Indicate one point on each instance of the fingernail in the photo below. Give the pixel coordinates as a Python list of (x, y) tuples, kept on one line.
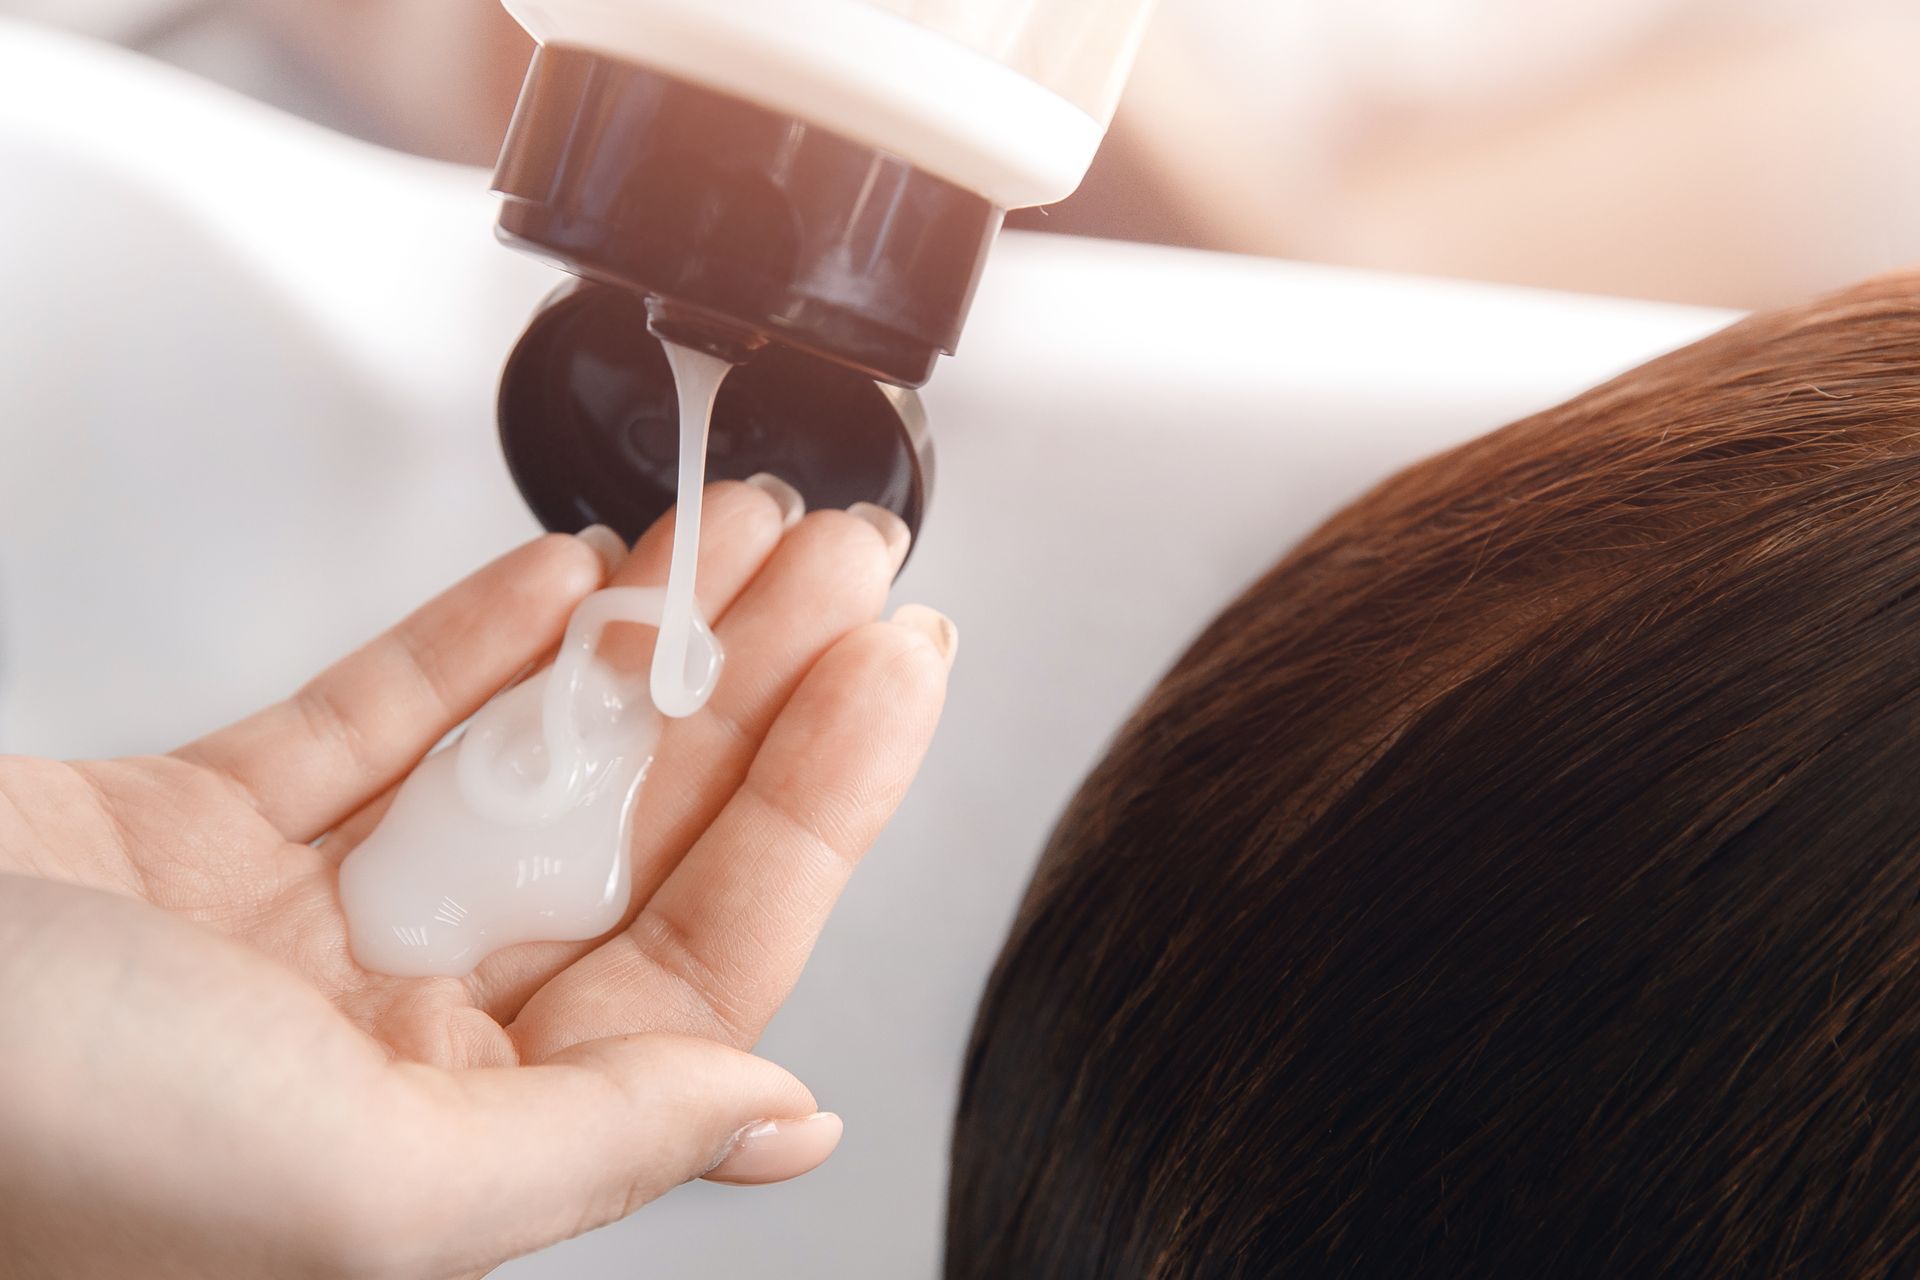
[(932, 624), (892, 528), (785, 496), (608, 545), (775, 1150)]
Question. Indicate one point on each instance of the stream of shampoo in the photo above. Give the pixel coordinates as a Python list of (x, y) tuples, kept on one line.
[(519, 830)]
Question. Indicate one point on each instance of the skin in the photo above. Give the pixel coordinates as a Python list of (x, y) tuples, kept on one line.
[(438, 79), (199, 1080)]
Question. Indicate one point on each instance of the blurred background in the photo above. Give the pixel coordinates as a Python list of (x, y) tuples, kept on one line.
[(1730, 152)]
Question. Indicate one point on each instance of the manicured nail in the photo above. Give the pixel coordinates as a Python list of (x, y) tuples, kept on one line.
[(785, 496), (892, 528), (608, 545), (932, 624), (775, 1150)]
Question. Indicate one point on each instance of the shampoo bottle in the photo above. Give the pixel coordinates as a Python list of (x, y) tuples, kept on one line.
[(818, 180)]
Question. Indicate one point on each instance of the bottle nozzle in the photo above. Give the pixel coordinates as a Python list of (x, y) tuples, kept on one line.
[(741, 214), (590, 418), (689, 326)]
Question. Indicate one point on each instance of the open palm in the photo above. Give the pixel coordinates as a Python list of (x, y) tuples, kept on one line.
[(430, 1126)]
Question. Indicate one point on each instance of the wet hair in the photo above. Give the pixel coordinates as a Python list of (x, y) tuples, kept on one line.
[(1522, 879)]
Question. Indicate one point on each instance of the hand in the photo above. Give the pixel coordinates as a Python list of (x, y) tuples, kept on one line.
[(197, 1080)]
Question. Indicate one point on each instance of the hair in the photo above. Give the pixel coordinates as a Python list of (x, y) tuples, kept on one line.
[(1523, 878)]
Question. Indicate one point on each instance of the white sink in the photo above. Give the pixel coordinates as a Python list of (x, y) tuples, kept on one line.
[(246, 382)]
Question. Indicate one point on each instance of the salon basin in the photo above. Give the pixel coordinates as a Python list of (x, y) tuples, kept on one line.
[(246, 381)]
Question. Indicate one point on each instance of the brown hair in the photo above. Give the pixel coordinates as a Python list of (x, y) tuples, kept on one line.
[(1523, 878)]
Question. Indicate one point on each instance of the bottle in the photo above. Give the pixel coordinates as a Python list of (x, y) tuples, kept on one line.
[(806, 187)]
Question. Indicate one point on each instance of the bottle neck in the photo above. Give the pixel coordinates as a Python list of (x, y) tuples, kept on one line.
[(743, 225), (672, 320)]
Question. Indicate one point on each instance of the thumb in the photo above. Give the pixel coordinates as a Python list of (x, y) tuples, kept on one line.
[(522, 1157)]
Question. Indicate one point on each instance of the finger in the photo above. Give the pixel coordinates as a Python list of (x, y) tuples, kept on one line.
[(833, 576), (742, 524), (355, 729), (828, 576), (720, 945), (511, 1159)]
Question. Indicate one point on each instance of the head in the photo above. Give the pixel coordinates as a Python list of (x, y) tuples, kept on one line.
[(1523, 878)]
